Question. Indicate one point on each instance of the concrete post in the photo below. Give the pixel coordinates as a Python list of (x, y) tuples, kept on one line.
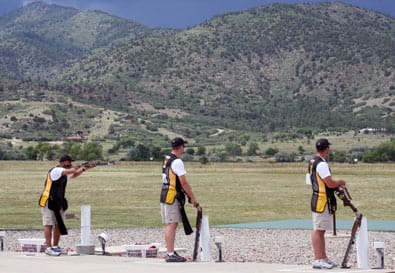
[(205, 255), (85, 247), (363, 245)]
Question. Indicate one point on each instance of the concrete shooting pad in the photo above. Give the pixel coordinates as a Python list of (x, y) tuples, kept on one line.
[(33, 262), (19, 262)]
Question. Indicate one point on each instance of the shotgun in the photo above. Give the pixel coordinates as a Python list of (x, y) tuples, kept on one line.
[(344, 195), (97, 163), (197, 234)]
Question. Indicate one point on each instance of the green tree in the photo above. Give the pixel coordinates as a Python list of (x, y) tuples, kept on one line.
[(283, 157), (370, 156), (139, 153), (156, 153), (71, 148), (271, 151), (91, 151), (203, 160), (340, 156), (383, 153), (201, 150), (30, 153), (233, 149), (190, 151), (42, 149), (253, 149), (52, 152)]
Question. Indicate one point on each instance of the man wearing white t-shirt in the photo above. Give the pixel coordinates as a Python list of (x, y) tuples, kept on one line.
[(323, 202), (174, 185), (54, 203)]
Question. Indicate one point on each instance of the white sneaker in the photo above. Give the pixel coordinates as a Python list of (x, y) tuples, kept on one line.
[(331, 262), (52, 252), (59, 249), (323, 263)]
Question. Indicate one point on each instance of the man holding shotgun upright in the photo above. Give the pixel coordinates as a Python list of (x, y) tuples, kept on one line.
[(54, 203), (323, 202), (172, 198)]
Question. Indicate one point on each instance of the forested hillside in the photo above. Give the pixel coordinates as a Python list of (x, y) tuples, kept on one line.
[(39, 41), (278, 68)]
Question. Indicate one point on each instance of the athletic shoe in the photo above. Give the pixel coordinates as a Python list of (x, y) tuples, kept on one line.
[(60, 250), (52, 252), (175, 258), (322, 264), (331, 262)]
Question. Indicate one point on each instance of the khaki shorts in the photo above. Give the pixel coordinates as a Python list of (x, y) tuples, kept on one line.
[(49, 218), (170, 213), (322, 221)]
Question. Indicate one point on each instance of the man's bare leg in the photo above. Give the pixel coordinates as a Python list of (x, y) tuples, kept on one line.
[(56, 236), (48, 235), (318, 242), (170, 236)]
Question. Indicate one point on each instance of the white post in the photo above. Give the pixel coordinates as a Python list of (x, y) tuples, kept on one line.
[(218, 240), (2, 235), (379, 246), (363, 245), (205, 255), (86, 247), (85, 224)]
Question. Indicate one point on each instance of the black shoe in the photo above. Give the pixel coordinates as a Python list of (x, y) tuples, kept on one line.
[(175, 258)]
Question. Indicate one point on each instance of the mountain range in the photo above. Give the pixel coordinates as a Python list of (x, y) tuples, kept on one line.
[(276, 68)]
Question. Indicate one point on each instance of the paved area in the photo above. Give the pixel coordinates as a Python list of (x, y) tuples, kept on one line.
[(19, 262)]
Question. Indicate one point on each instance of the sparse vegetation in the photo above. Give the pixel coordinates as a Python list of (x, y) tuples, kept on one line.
[(240, 84), (281, 67)]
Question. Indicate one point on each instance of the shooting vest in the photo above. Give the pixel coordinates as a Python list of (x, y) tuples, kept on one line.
[(171, 185), (322, 195), (54, 193), (42, 202)]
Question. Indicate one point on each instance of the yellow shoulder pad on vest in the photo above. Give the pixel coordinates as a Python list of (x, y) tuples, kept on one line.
[(45, 194)]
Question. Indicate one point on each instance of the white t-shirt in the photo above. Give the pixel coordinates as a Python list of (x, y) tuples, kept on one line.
[(178, 167), (56, 173), (323, 169)]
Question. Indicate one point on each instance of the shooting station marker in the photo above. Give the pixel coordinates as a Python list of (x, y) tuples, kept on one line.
[(86, 247), (363, 245), (205, 255)]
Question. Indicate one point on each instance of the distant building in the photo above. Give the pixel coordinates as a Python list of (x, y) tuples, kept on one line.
[(127, 117), (77, 136), (372, 130)]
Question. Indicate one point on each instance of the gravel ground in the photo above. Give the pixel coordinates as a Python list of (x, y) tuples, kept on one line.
[(240, 245)]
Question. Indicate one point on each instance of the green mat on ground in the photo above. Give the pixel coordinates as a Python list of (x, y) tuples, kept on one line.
[(373, 225)]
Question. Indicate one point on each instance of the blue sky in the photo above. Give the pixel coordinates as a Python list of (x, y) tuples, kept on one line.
[(181, 13)]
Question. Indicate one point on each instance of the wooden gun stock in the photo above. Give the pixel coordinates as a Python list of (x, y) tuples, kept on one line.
[(197, 234), (344, 195)]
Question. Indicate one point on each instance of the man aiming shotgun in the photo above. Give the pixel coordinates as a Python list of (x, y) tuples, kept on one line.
[(54, 204), (172, 197)]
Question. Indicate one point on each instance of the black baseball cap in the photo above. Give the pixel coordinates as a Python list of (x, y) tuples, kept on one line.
[(178, 141), (322, 144), (65, 157)]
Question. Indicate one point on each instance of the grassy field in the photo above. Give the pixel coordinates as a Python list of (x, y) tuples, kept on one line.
[(127, 194)]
